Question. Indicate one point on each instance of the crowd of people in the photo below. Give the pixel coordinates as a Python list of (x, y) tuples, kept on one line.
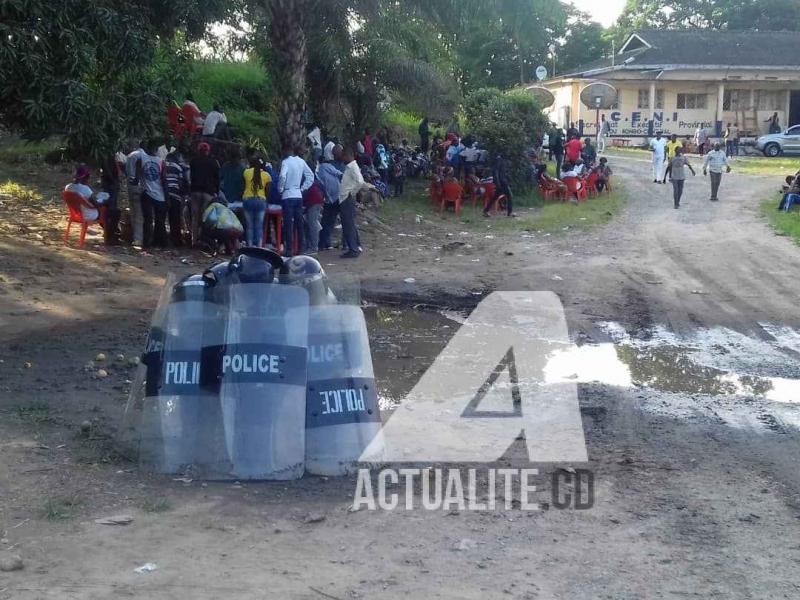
[(199, 189)]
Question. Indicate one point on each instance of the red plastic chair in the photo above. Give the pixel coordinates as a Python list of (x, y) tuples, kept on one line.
[(591, 185), (553, 191), (452, 193), (276, 217), (576, 187), (74, 203)]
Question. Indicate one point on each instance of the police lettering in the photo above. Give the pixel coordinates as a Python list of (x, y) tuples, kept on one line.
[(250, 363), (182, 373), (339, 401), (326, 353)]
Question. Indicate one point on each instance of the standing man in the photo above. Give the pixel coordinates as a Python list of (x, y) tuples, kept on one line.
[(602, 134), (573, 148), (154, 199), (700, 137), (132, 170), (734, 140), (295, 178), (204, 173), (330, 176), (502, 187), (672, 146), (714, 162), (352, 181), (658, 146), (556, 146), (677, 168), (424, 135)]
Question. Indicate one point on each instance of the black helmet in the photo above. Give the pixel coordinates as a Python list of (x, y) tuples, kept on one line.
[(249, 269), (307, 273), (192, 288)]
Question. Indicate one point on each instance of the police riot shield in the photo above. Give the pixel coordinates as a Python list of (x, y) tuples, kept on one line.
[(173, 422), (342, 415), (262, 372), (221, 390)]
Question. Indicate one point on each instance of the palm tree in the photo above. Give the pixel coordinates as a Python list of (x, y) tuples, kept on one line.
[(287, 36)]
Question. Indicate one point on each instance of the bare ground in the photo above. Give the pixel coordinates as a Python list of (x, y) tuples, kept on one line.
[(685, 507)]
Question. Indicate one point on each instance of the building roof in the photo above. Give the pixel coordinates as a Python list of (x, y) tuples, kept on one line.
[(699, 49)]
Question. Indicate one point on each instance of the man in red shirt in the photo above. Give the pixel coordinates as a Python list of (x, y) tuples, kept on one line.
[(573, 149)]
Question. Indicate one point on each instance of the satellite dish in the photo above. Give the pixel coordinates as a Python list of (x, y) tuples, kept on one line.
[(600, 95), (541, 73), (542, 95)]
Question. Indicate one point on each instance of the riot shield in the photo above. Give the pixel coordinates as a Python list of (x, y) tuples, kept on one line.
[(342, 415), (262, 379), (173, 421), (221, 393)]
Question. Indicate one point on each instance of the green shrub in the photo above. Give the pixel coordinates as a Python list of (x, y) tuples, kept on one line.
[(245, 92), (505, 123)]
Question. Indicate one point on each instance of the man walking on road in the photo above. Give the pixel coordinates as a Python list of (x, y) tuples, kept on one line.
[(677, 169), (714, 162), (602, 134), (659, 149)]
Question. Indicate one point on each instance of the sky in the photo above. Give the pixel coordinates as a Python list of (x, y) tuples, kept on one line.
[(604, 12)]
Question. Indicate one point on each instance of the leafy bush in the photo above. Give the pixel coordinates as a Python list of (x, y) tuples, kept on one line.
[(505, 123), (245, 92)]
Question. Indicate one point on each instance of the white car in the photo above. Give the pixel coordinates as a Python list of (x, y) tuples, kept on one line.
[(775, 144)]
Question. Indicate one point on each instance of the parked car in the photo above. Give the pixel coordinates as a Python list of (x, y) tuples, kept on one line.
[(774, 144)]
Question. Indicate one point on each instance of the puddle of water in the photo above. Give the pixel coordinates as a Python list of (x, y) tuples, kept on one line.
[(718, 364)]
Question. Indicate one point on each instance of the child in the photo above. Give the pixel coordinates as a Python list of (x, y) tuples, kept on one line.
[(604, 173)]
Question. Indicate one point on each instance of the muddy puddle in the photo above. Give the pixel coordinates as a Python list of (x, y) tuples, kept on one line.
[(709, 363)]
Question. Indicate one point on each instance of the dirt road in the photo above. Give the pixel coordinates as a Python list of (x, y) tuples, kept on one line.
[(688, 326)]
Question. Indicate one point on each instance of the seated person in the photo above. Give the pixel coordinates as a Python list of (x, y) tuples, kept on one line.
[(221, 225), (791, 195), (80, 186), (580, 168), (568, 170), (604, 173)]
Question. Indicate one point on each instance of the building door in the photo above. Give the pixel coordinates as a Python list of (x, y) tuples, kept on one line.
[(794, 108)]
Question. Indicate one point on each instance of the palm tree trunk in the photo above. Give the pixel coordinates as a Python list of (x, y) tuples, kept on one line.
[(290, 59)]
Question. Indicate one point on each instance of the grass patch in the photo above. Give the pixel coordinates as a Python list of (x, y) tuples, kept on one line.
[(15, 151), (155, 505), (761, 165), (35, 413), (783, 223), (533, 213), (11, 190), (60, 508)]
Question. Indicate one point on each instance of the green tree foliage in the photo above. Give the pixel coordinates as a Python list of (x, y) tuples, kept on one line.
[(734, 15), (584, 42), (506, 124), (95, 72)]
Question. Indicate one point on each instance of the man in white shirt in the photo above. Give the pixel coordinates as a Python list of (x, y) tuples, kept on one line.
[(658, 145), (295, 178), (213, 119), (714, 162), (352, 182)]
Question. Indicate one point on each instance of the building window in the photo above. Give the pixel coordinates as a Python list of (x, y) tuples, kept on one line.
[(659, 98), (736, 100), (644, 99), (692, 100), (770, 99)]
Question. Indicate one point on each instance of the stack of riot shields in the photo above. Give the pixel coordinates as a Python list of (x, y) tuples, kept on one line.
[(253, 372)]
